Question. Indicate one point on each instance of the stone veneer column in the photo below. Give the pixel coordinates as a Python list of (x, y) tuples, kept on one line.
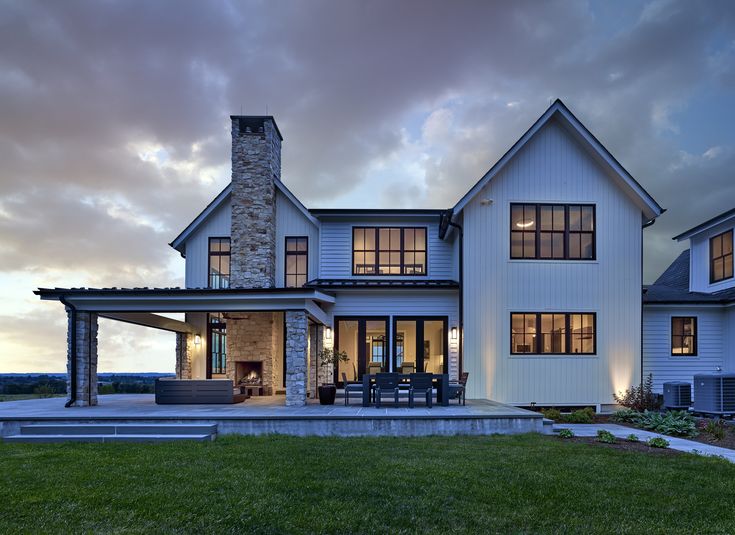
[(85, 358), (256, 164), (316, 338), (184, 350), (296, 356)]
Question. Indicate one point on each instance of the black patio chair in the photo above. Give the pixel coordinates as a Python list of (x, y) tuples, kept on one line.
[(350, 386), (421, 383), (457, 390), (386, 383)]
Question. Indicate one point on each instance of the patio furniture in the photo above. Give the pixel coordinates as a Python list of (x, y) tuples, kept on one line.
[(386, 383), (408, 367), (374, 368), (457, 390), (196, 391), (350, 386), (440, 380), (421, 383)]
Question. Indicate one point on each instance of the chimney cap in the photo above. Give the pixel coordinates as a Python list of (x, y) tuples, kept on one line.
[(255, 121)]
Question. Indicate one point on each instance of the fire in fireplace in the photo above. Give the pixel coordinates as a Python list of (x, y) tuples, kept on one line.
[(249, 372)]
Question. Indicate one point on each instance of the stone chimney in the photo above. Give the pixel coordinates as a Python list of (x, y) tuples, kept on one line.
[(256, 165)]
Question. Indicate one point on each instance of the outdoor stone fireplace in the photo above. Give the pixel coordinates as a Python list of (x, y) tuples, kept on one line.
[(251, 347), (249, 373)]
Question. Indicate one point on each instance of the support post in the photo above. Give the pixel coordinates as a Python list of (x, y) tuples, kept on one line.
[(82, 357), (296, 357), (184, 349)]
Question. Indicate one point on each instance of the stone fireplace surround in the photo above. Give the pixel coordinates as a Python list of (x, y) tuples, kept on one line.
[(251, 338)]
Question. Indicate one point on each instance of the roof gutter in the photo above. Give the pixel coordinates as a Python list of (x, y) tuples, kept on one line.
[(444, 224)]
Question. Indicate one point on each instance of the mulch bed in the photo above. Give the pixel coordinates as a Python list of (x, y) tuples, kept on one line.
[(624, 445)]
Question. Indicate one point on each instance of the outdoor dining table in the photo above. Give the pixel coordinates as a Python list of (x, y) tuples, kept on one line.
[(440, 380)]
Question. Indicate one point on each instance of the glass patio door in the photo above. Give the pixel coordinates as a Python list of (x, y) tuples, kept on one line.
[(365, 340), (421, 344)]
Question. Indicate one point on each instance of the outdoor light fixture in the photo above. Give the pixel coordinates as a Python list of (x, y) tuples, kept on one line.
[(328, 333), (197, 340), (454, 333)]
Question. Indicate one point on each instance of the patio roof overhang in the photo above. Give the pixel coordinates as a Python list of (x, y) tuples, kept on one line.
[(149, 300)]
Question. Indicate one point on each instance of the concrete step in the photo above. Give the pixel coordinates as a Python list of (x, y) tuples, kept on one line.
[(106, 438), (118, 429)]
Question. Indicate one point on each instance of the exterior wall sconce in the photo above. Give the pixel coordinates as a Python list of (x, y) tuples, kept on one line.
[(197, 340), (328, 333), (454, 333)]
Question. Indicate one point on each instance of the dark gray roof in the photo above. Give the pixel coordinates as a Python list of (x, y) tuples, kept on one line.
[(382, 283), (673, 287), (714, 221)]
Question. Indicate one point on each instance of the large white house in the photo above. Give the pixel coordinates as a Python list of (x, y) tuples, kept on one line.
[(531, 282)]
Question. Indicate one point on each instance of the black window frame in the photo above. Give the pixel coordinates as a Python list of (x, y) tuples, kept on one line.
[(376, 251), (287, 253), (211, 253), (568, 335), (567, 232), (682, 336), (712, 258), (222, 327)]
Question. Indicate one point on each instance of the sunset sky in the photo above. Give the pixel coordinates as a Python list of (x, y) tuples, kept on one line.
[(114, 124)]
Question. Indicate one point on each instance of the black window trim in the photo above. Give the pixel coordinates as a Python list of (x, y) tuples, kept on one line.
[(712, 259), (567, 334), (296, 253), (218, 253), (403, 250), (210, 325), (537, 231), (695, 336)]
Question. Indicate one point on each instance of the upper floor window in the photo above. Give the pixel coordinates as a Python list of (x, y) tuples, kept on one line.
[(553, 333), (219, 262), (389, 251), (683, 336), (297, 256), (720, 257), (552, 231)]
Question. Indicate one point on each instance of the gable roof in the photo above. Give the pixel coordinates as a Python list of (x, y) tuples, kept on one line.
[(651, 208), (219, 200), (724, 216)]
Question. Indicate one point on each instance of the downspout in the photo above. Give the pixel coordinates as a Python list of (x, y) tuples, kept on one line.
[(645, 225), (461, 291), (73, 351)]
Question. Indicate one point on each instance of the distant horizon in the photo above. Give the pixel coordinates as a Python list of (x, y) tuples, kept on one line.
[(7, 374)]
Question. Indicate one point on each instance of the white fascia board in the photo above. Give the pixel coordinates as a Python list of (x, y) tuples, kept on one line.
[(296, 202), (180, 240)]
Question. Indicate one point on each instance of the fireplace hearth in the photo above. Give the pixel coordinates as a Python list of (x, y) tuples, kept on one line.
[(249, 372)]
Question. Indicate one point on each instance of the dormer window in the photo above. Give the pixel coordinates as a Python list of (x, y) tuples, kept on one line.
[(389, 251), (720, 257)]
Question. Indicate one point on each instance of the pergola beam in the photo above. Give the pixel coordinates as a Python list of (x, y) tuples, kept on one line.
[(148, 319)]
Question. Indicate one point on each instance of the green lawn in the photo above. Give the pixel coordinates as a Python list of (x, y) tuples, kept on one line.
[(515, 484), (20, 397)]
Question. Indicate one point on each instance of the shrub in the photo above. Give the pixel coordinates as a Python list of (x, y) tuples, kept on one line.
[(715, 428), (552, 414), (626, 416), (632, 438), (674, 423), (639, 398), (44, 390), (566, 433), (582, 416), (605, 436), (657, 442)]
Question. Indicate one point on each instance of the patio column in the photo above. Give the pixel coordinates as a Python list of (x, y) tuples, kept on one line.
[(82, 355), (184, 349), (296, 357), (316, 337)]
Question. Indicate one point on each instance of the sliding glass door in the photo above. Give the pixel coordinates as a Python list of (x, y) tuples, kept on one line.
[(420, 344), (365, 340)]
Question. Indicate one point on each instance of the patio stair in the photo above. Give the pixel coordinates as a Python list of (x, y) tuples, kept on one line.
[(113, 433)]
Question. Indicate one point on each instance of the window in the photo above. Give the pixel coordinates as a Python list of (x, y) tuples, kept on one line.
[(720, 257), (552, 333), (389, 251), (217, 344), (683, 336), (552, 231), (219, 262), (297, 257)]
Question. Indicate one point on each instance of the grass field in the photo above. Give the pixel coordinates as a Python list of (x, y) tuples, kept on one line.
[(20, 397), (503, 484)]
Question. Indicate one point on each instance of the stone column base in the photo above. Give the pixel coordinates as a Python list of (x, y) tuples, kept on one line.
[(296, 357)]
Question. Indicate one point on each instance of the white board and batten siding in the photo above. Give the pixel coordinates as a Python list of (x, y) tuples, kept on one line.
[(291, 222), (217, 225), (552, 168), (657, 358), (336, 248), (409, 302), (699, 263)]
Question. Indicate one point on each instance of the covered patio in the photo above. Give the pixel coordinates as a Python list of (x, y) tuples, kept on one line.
[(252, 312)]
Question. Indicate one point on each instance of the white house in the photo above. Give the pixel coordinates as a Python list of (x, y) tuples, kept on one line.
[(531, 283), (689, 312)]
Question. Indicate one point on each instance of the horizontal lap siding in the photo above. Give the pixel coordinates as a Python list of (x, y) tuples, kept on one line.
[(290, 221), (336, 248), (552, 167), (657, 358), (197, 246)]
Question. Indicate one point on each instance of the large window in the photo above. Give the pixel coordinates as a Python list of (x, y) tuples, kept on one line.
[(297, 260), (683, 336), (389, 251), (720, 257), (552, 231), (552, 333), (217, 344), (219, 263)]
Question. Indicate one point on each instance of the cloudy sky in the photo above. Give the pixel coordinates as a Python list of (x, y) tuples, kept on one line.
[(114, 123)]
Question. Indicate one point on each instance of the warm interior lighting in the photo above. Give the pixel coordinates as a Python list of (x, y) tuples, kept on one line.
[(197, 340), (328, 333), (524, 224), (454, 333)]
